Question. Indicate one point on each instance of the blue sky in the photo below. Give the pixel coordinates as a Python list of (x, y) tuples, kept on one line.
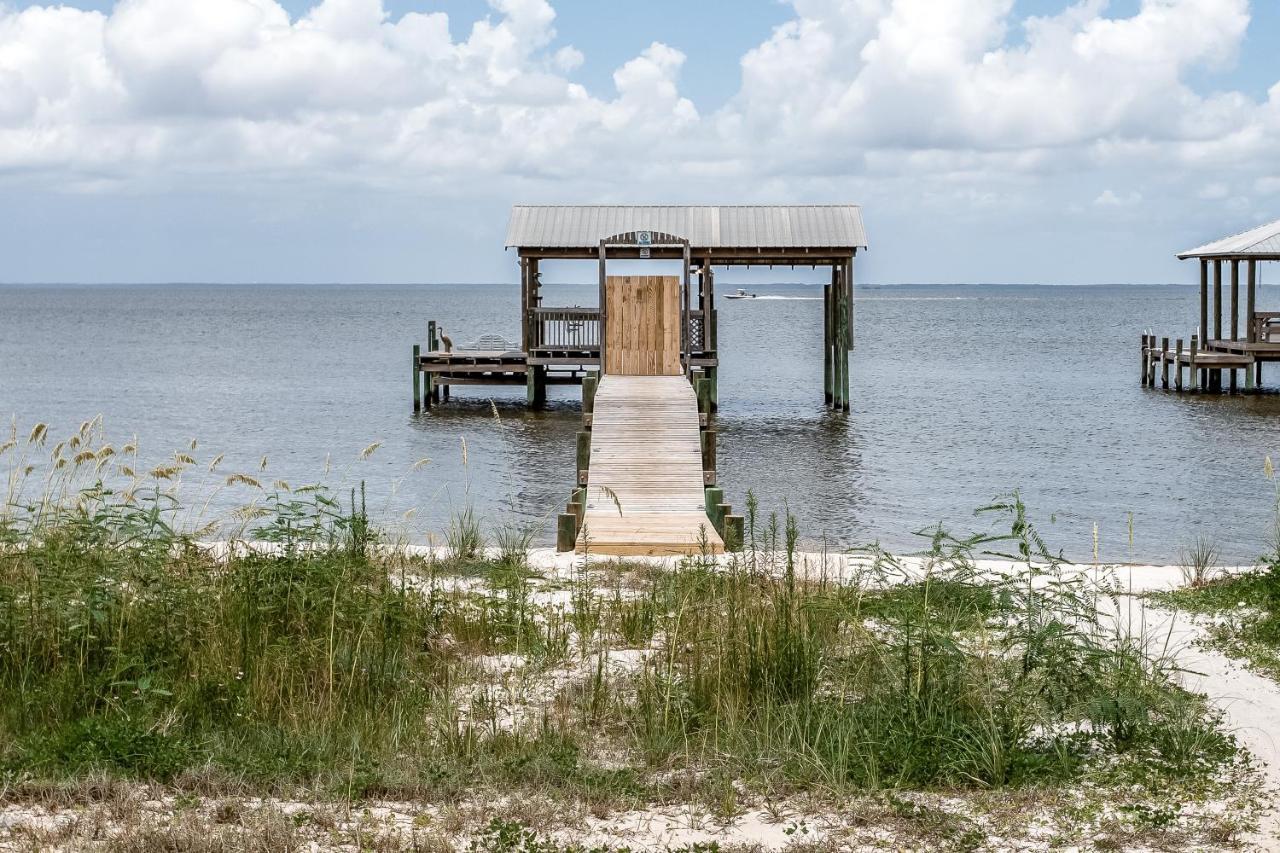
[(238, 140)]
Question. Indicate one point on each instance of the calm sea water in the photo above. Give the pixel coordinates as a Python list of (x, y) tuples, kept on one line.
[(960, 393)]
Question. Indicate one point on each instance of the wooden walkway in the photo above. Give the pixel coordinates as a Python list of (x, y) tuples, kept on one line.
[(645, 493)]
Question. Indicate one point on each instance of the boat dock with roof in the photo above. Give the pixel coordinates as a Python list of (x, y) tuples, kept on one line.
[(1219, 358), (646, 355)]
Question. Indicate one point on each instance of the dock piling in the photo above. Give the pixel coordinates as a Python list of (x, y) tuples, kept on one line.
[(566, 532), (1164, 363), (1192, 373), (1177, 365), (417, 388), (584, 456)]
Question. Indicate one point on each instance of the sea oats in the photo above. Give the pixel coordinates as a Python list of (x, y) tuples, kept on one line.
[(369, 451), (38, 434), (245, 479), (216, 460)]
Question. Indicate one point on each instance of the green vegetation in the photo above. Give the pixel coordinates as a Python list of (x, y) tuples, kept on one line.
[(310, 656), (1244, 613)]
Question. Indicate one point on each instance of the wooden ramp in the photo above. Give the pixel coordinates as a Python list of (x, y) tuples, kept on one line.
[(645, 491)]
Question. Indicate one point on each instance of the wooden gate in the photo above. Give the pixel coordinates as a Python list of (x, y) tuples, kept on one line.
[(642, 325)]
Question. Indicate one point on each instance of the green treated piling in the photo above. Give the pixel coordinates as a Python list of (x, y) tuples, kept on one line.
[(566, 532), (734, 529), (584, 453), (702, 386), (828, 362), (708, 450), (589, 385), (417, 389), (713, 498)]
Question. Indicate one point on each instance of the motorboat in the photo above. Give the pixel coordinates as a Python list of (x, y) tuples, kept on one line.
[(740, 294)]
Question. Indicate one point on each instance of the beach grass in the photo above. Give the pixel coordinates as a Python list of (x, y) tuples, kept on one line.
[(307, 653)]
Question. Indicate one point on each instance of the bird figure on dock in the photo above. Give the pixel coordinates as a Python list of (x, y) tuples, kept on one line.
[(446, 341)]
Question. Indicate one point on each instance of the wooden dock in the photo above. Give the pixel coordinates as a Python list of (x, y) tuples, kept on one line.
[(645, 492), (1220, 354)]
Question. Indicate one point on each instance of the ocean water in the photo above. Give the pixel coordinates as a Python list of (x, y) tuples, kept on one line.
[(960, 394)]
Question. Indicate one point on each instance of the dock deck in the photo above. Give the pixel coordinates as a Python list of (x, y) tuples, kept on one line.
[(645, 493)]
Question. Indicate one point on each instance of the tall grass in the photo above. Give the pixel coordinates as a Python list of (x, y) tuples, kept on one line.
[(127, 646), (954, 679)]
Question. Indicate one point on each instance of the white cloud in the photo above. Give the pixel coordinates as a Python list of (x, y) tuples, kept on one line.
[(902, 103)]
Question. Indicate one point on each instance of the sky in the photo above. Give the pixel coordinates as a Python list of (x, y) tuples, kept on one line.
[(385, 140)]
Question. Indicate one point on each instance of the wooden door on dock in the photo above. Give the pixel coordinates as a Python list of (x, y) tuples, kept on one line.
[(642, 325)]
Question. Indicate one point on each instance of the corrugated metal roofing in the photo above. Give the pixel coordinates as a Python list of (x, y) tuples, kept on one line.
[(1260, 242), (705, 227)]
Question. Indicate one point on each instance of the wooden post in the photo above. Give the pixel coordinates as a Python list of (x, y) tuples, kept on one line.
[(713, 498), (433, 345), (579, 503), (1215, 376), (1144, 359), (708, 438), (734, 528), (1192, 373), (1217, 301), (828, 360), (1164, 363), (566, 532), (417, 387), (524, 304), (702, 387), (1251, 290), (1248, 378), (602, 313), (535, 378), (1177, 365), (686, 333), (852, 306), (584, 456), (1204, 299), (1235, 312), (1151, 363), (589, 384), (846, 330)]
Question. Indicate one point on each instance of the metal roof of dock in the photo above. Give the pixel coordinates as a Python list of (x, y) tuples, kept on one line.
[(1261, 243), (706, 227)]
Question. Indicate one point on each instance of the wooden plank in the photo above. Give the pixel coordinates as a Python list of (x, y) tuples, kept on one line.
[(645, 492)]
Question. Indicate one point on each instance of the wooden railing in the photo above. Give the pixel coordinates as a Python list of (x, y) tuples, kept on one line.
[(564, 328), (1266, 326), (579, 329)]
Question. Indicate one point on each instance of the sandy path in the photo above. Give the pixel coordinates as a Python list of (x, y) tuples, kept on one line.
[(1250, 702)]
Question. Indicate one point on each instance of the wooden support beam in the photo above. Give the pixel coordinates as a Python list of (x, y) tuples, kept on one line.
[(714, 497), (589, 385), (1251, 292), (584, 456), (734, 529), (1204, 299), (702, 386), (1177, 366), (708, 437), (603, 311), (828, 361), (1217, 300), (1235, 300), (1144, 359), (1164, 363), (566, 532), (417, 369), (1192, 373)]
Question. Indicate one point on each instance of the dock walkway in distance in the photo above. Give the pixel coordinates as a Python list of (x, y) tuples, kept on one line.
[(645, 493)]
